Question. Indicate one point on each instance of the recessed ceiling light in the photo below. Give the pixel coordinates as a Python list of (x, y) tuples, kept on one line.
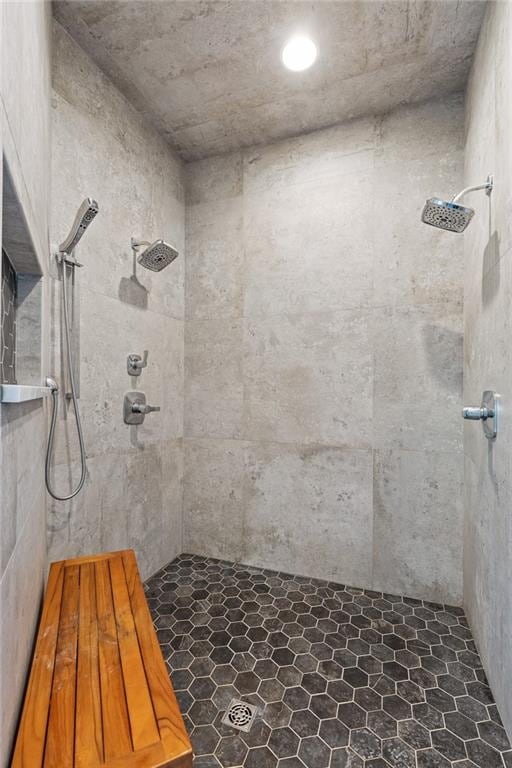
[(299, 53)]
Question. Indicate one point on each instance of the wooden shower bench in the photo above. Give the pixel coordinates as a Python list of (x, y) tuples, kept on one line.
[(99, 693)]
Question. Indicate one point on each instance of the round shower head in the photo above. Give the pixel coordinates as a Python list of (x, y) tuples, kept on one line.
[(445, 215)]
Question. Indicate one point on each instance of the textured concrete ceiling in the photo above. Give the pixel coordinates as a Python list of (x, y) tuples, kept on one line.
[(208, 74)]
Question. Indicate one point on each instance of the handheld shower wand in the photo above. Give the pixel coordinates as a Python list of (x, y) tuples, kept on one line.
[(85, 215)]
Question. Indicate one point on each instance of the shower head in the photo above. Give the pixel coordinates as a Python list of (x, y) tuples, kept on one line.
[(83, 218), (445, 215), (450, 215), (156, 256)]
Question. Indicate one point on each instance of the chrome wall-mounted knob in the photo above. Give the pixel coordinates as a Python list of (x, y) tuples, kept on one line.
[(135, 363), (135, 408), (475, 413), (487, 413)]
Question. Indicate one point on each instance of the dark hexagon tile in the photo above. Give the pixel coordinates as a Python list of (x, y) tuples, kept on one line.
[(202, 712), (368, 699), (334, 733), (271, 690), (431, 758), (440, 700), (314, 753), (383, 685), (296, 698), (481, 692), (339, 690), (382, 724), (448, 744), (471, 708), (352, 715), (314, 683), (290, 762), (397, 707), (283, 656), (409, 691), (395, 671), (355, 677), (398, 753), (460, 725), (283, 742), (260, 757), (494, 735), (204, 739), (483, 755), (289, 676), (224, 674), (206, 761), (305, 662), (365, 743), (323, 706), (305, 723), (258, 735), (331, 670), (202, 688), (346, 758), (277, 714), (414, 734)]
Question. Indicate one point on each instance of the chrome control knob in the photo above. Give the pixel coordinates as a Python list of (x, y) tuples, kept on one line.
[(475, 413), (487, 412)]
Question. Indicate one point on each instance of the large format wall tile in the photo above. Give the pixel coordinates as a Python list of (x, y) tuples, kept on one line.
[(418, 377), (215, 475), (488, 356), (308, 246), (351, 316), (309, 508), (133, 491), (214, 286), (308, 378), (213, 378), (418, 523), (25, 91)]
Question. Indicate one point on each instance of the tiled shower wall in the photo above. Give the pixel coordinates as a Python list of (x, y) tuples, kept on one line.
[(488, 355), (25, 145), (323, 356), (102, 148)]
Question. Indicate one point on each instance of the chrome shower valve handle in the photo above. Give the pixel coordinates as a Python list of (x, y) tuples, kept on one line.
[(487, 413), (135, 408), (144, 408), (135, 363)]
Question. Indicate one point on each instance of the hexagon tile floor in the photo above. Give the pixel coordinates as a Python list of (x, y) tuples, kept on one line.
[(342, 677)]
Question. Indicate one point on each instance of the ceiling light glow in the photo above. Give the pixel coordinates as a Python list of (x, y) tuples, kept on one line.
[(299, 53)]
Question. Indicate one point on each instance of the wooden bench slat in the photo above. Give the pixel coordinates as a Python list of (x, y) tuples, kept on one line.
[(143, 725), (168, 717), (34, 720), (89, 730), (60, 740), (116, 728), (99, 695)]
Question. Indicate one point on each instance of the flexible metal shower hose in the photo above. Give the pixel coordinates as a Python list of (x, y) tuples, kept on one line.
[(55, 395)]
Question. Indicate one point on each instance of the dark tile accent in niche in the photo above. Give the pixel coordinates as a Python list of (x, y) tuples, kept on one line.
[(8, 323), (342, 677)]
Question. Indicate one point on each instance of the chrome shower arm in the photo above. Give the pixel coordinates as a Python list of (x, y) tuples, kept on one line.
[(489, 184)]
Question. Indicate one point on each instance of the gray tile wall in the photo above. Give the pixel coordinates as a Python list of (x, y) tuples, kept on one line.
[(25, 144), (488, 355), (101, 148), (323, 356)]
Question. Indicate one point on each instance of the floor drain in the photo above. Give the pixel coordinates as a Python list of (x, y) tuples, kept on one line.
[(240, 715)]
